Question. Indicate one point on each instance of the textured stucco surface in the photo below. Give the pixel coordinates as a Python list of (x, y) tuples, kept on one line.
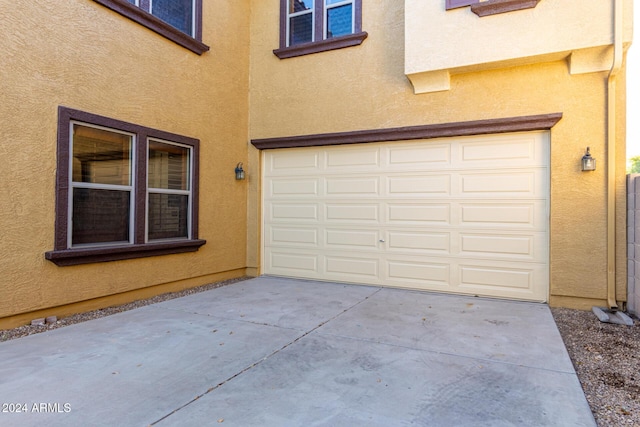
[(365, 88), (551, 29), (81, 55)]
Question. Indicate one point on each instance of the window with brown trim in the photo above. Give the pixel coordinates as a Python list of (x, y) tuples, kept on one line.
[(311, 26), (122, 191), (492, 7), (178, 20), (452, 4)]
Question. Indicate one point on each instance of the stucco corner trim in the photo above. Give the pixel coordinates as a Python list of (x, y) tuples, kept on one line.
[(494, 7), (590, 60), (76, 256), (476, 127), (160, 27), (430, 81), (321, 46)]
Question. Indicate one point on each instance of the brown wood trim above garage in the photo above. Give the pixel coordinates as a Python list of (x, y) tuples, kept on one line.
[(476, 127)]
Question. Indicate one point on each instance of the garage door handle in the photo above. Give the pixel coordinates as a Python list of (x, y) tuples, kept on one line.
[(381, 240)]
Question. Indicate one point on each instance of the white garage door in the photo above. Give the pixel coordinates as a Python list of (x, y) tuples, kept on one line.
[(463, 215)]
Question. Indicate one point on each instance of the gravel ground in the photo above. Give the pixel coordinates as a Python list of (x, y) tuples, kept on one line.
[(607, 360), (606, 356)]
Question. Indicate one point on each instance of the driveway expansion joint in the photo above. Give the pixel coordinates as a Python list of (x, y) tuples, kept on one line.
[(258, 362)]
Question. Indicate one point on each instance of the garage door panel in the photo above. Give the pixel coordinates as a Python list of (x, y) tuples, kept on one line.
[(511, 280), (526, 247), (417, 241), (432, 213), (293, 236), (436, 185), (431, 273), (353, 187), (506, 184), (353, 267), (294, 187), (523, 216), (352, 239), (293, 263), (293, 212), (293, 162), (476, 276), (353, 158), (426, 156), (464, 215), (517, 150), (352, 212)]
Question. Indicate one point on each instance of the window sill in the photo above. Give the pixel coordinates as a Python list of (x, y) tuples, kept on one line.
[(154, 24), (494, 7), (321, 46), (455, 4), (67, 257)]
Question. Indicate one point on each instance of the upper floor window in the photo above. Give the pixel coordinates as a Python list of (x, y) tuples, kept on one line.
[(177, 20), (178, 13), (123, 191), (310, 26)]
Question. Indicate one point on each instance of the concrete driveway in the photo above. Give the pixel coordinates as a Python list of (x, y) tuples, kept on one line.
[(282, 352)]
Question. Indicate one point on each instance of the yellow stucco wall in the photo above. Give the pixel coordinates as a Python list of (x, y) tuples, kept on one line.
[(365, 87), (579, 31), (81, 55)]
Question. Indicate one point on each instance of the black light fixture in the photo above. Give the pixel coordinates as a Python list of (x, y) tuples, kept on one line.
[(239, 172), (588, 162)]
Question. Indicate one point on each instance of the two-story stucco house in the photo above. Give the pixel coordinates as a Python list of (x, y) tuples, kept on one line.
[(423, 144)]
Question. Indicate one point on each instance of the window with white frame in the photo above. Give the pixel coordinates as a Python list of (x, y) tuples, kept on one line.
[(123, 191), (178, 13), (309, 26), (101, 185), (338, 18), (178, 20), (300, 18), (168, 190)]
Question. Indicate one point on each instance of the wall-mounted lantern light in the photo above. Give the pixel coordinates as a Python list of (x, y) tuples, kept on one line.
[(588, 162), (239, 171)]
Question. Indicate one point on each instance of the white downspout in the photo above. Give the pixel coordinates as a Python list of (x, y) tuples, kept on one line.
[(611, 154)]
